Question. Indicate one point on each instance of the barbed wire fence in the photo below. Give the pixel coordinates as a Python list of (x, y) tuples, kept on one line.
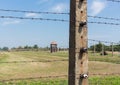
[(59, 76), (105, 46), (99, 79)]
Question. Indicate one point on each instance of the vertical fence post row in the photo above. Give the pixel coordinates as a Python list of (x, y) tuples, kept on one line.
[(78, 55)]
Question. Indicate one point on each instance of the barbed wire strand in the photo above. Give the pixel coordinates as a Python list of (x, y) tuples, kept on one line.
[(61, 60), (38, 12), (58, 76), (108, 18), (102, 41), (114, 0), (31, 78), (7, 10), (118, 62), (105, 23), (35, 61), (46, 19), (61, 20)]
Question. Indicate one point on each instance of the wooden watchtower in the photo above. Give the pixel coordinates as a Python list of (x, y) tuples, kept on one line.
[(53, 47)]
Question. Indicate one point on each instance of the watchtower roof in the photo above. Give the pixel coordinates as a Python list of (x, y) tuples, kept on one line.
[(53, 43)]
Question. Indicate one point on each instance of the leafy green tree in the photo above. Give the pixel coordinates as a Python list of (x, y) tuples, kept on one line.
[(35, 46), (26, 47), (98, 47), (5, 49), (0, 49)]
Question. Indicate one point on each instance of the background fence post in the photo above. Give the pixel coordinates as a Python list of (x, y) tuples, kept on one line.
[(94, 48), (102, 49), (112, 50), (78, 55)]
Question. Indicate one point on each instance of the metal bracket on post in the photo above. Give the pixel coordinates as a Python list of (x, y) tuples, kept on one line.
[(84, 76), (82, 24), (83, 50)]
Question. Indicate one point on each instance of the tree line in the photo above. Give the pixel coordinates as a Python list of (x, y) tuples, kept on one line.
[(98, 47), (25, 48), (4, 49), (30, 48)]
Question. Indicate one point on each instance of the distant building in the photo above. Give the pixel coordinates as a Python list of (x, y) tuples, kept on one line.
[(53, 47)]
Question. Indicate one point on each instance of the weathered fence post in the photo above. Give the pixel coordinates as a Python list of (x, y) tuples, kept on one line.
[(78, 55)]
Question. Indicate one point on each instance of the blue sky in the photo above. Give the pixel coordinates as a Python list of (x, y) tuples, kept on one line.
[(15, 32)]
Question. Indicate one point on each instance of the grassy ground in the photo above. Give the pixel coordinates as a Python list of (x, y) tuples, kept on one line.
[(33, 69), (97, 64), (107, 58), (111, 80)]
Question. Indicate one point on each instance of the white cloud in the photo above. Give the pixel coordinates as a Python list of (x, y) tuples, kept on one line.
[(31, 15), (97, 7), (11, 22), (59, 7)]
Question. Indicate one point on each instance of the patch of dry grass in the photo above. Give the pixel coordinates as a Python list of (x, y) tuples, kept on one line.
[(36, 69)]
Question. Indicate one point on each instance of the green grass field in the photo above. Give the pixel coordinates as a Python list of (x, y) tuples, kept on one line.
[(107, 58), (111, 80), (97, 65)]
